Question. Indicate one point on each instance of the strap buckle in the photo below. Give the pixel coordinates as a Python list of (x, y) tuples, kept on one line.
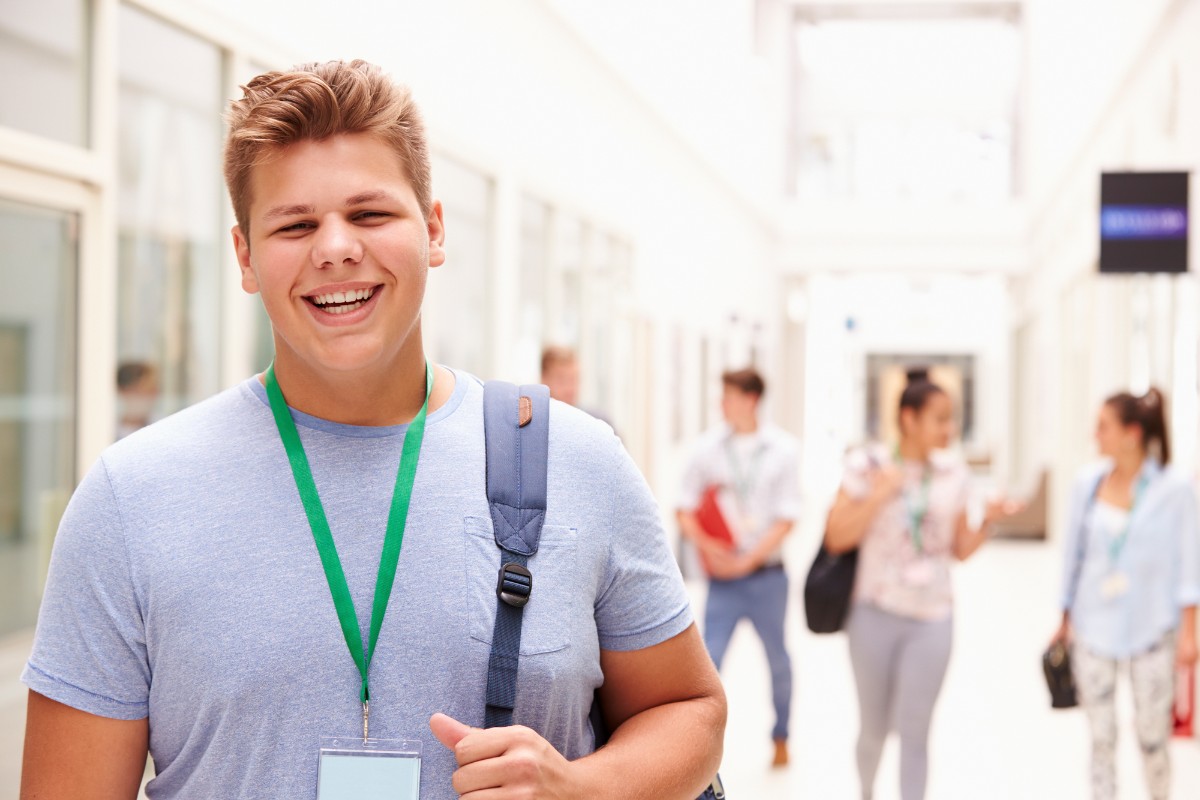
[(514, 585)]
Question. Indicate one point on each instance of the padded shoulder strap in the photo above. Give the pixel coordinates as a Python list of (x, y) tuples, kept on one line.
[(516, 425)]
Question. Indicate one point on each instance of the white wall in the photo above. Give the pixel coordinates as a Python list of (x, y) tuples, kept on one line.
[(1082, 336)]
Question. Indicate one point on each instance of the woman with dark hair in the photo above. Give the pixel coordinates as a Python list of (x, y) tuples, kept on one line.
[(1131, 584), (906, 514)]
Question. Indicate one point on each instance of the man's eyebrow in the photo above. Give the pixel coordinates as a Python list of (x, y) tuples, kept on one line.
[(373, 196), (287, 211)]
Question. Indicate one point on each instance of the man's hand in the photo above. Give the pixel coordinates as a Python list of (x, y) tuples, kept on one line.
[(500, 763), (728, 565)]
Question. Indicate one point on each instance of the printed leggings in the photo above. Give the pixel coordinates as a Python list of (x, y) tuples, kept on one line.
[(1153, 677), (899, 664)]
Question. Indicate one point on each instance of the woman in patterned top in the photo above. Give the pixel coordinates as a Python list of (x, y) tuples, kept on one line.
[(906, 513)]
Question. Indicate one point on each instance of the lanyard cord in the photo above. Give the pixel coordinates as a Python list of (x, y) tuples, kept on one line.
[(393, 540), (743, 483), (917, 512), (1116, 545)]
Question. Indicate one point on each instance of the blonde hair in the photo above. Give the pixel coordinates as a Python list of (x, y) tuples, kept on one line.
[(314, 102)]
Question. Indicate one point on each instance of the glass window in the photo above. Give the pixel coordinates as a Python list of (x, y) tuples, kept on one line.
[(38, 263), (44, 69), (170, 203), (456, 305)]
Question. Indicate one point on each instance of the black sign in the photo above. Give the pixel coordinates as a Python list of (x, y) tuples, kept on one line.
[(1144, 222)]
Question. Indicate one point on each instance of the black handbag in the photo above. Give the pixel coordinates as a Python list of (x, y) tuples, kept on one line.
[(828, 590), (1056, 664)]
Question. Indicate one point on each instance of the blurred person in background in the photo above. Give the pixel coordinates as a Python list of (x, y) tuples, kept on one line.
[(1131, 583), (752, 470), (560, 373), (137, 395), (906, 513)]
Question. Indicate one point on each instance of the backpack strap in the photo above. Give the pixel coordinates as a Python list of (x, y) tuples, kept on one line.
[(516, 427)]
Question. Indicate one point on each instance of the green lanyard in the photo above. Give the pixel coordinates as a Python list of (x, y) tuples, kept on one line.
[(397, 518), (1117, 543), (917, 512), (743, 483)]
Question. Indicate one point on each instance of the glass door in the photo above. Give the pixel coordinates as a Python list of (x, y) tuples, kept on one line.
[(39, 257)]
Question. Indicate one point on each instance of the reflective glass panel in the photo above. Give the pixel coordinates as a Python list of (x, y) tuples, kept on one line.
[(38, 263), (170, 215)]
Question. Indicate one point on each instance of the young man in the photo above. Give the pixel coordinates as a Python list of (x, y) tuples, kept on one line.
[(751, 469), (560, 373), (188, 609)]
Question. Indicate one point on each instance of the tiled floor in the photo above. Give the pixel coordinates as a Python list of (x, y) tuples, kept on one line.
[(994, 737)]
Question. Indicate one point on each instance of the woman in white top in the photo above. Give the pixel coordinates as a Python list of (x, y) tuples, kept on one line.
[(907, 517), (1131, 584)]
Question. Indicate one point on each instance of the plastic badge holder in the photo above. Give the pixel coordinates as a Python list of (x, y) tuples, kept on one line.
[(351, 768)]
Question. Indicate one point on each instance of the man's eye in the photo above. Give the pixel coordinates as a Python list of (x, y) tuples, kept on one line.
[(296, 226), (371, 214)]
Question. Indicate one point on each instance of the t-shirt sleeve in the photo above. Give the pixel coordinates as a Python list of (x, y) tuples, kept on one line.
[(89, 651), (694, 482), (787, 486), (642, 600)]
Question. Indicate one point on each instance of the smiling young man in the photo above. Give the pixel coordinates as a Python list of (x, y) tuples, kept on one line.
[(214, 571)]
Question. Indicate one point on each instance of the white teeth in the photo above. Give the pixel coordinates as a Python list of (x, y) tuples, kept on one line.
[(338, 298), (344, 308)]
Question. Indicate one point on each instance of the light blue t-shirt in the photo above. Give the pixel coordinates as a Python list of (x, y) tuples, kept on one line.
[(185, 586), (1160, 562)]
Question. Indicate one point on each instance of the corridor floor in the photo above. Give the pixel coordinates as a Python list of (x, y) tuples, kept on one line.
[(994, 736)]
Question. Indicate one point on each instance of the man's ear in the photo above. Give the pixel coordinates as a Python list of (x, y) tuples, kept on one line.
[(241, 245), (437, 235)]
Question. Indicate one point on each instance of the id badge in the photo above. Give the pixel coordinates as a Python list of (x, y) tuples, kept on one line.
[(1114, 586), (375, 769)]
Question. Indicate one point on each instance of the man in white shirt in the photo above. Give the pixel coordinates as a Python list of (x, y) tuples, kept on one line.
[(749, 471)]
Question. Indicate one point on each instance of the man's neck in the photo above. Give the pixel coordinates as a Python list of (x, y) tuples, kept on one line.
[(388, 395), (744, 427)]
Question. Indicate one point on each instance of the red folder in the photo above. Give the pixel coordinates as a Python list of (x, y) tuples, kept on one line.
[(1185, 702), (712, 522)]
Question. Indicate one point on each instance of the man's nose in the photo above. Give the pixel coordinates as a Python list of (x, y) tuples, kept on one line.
[(336, 243)]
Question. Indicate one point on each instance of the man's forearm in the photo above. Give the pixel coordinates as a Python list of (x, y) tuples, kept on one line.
[(771, 542), (670, 752)]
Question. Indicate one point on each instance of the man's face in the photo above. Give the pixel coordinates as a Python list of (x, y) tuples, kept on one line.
[(339, 250), (738, 406), (563, 381)]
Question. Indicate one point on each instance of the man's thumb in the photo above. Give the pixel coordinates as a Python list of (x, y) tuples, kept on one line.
[(448, 730)]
